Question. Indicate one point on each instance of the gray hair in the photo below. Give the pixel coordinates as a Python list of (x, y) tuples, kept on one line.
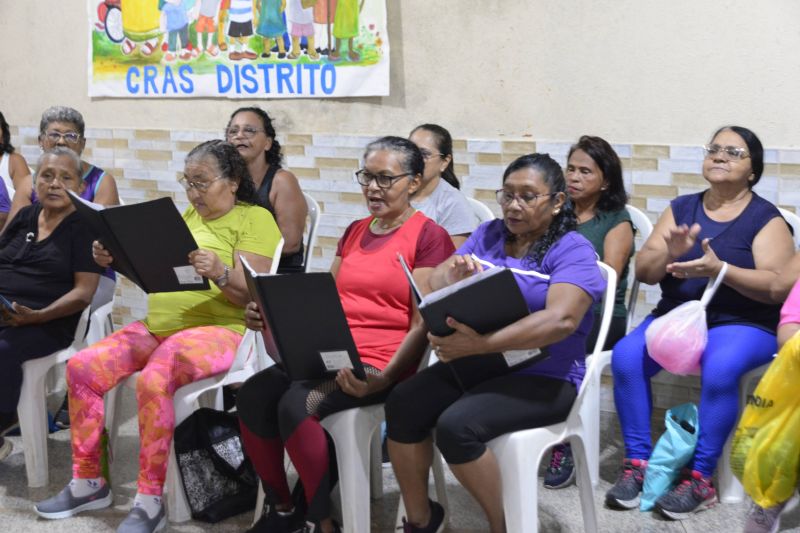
[(58, 151), (60, 113)]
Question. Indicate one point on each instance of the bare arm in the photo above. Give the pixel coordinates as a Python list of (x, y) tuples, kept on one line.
[(458, 240), (290, 210), (107, 193), (617, 246), (72, 302), (22, 197), (18, 168), (785, 280)]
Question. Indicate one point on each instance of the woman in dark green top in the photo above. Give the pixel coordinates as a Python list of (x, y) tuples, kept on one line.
[(595, 186)]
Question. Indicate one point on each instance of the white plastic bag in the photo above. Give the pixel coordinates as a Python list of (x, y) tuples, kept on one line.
[(677, 339)]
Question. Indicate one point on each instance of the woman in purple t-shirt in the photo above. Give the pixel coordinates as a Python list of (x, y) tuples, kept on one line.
[(476, 392)]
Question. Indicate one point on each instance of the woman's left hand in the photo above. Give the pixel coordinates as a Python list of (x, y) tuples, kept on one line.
[(464, 341), (207, 263), (24, 316), (353, 386), (707, 266)]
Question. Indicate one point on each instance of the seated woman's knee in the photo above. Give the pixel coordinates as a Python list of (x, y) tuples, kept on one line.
[(456, 438)]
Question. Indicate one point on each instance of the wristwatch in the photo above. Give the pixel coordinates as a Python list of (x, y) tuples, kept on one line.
[(224, 278)]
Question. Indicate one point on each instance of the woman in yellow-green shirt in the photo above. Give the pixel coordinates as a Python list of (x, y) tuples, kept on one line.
[(187, 336)]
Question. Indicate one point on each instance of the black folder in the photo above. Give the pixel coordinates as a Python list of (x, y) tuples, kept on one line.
[(149, 241), (305, 327)]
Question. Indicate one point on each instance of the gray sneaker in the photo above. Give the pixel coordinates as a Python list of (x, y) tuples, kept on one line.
[(137, 521), (760, 520), (64, 504)]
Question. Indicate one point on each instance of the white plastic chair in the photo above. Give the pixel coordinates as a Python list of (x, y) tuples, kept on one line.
[(643, 225), (481, 210), (31, 408), (311, 239), (730, 488), (187, 398)]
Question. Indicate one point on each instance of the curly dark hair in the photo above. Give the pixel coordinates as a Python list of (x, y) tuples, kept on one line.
[(5, 139), (444, 143), (614, 197), (231, 166), (563, 222), (412, 162), (273, 155)]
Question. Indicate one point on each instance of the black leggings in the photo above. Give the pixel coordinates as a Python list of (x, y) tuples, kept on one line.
[(496, 402)]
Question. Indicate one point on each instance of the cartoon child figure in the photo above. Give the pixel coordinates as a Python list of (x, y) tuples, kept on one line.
[(240, 29), (206, 26), (222, 21), (140, 25), (175, 21), (345, 27), (324, 12), (300, 14), (271, 25)]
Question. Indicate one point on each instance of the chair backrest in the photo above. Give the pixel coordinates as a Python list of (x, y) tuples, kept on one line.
[(794, 222), (644, 228), (607, 305), (481, 210), (276, 257), (311, 239)]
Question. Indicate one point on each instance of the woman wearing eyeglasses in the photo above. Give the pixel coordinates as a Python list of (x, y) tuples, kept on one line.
[(47, 277), (251, 131), (697, 233), (187, 336), (438, 196), (479, 389), (277, 414)]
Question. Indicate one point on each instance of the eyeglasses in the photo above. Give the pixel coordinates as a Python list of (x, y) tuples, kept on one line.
[(525, 199), (247, 132), (71, 137), (365, 177), (427, 154), (199, 186), (732, 152)]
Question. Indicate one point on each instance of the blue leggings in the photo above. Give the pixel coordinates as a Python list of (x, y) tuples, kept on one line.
[(731, 352)]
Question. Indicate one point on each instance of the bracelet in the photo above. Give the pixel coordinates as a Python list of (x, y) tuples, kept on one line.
[(224, 278)]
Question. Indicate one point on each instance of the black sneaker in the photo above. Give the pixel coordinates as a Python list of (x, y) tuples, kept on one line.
[(61, 420), (561, 472), (626, 491), (273, 521), (694, 493), (314, 527), (435, 524)]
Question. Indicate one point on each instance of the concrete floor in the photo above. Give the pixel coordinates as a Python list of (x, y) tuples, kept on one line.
[(559, 511)]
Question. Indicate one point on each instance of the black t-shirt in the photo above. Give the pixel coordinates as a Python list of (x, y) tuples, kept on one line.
[(36, 274)]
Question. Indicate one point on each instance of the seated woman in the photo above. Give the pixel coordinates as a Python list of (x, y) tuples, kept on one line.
[(276, 413), (48, 276), (595, 186), (727, 222), (13, 170), (250, 130), (474, 393), (187, 336), (438, 196)]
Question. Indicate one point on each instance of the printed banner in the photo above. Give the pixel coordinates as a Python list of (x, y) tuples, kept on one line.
[(238, 48)]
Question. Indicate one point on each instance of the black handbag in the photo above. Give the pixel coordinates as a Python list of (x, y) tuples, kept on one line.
[(217, 477)]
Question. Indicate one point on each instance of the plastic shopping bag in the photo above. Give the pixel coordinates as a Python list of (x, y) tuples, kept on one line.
[(677, 339), (765, 454), (673, 451)]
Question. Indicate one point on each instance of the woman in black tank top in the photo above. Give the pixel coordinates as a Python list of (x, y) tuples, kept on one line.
[(250, 130)]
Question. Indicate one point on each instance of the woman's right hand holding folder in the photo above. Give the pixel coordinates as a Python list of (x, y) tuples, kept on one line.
[(461, 267), (101, 256)]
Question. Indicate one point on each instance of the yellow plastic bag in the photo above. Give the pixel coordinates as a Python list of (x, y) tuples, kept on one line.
[(765, 454)]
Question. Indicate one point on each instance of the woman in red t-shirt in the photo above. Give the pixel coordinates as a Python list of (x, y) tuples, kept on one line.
[(275, 412)]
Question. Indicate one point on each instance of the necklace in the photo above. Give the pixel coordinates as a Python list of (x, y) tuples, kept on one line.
[(376, 223)]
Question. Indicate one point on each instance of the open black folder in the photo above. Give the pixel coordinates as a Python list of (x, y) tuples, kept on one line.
[(149, 241), (305, 327)]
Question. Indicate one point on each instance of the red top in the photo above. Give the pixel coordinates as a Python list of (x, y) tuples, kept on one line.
[(372, 286)]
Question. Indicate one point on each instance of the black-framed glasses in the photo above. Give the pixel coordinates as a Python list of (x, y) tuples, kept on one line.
[(248, 132), (732, 152), (526, 199), (384, 181), (199, 186), (71, 137)]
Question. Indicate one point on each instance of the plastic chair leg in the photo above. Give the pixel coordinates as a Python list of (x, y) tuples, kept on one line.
[(518, 460), (376, 466), (177, 504), (584, 482), (440, 483), (32, 413)]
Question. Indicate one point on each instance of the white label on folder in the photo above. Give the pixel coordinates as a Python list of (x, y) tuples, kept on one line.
[(187, 275), (336, 360), (515, 357)]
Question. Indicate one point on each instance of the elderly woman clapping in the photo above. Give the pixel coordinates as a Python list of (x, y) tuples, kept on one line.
[(187, 336), (47, 277)]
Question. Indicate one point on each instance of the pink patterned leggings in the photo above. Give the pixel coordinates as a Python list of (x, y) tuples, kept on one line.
[(166, 364)]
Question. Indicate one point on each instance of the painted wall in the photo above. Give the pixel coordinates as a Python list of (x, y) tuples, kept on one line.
[(630, 70)]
